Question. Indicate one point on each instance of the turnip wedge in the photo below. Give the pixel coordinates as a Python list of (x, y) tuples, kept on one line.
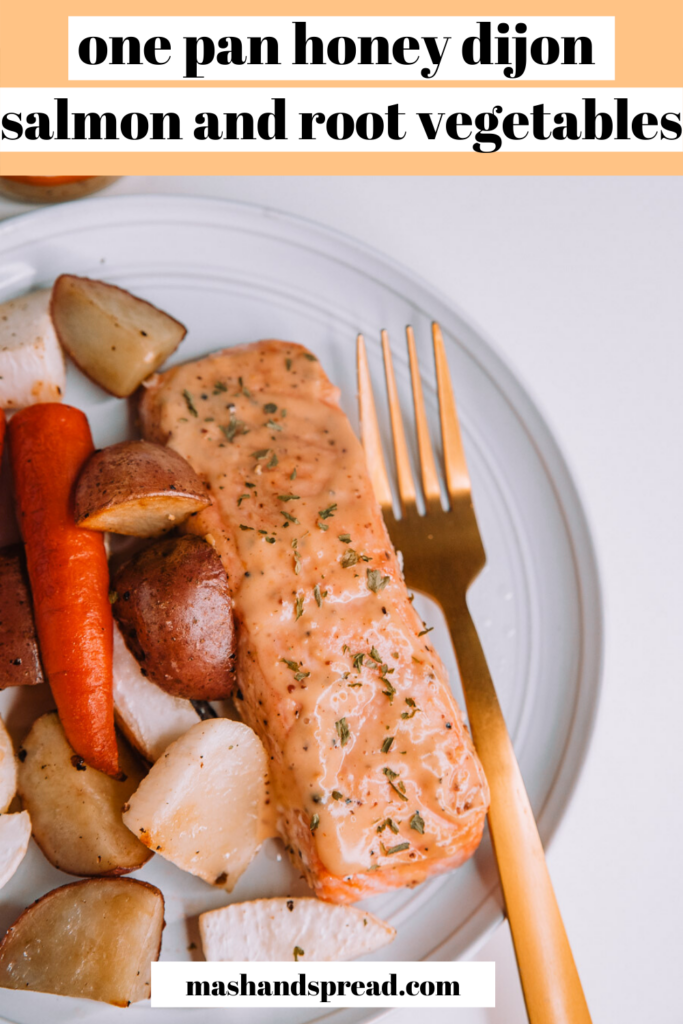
[(150, 718), (31, 360), (203, 804), (15, 832), (291, 929), (93, 940), (114, 337)]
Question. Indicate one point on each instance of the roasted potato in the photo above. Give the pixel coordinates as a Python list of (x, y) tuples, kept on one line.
[(173, 606), (31, 360), (92, 940), (19, 655), (149, 717), (137, 488), (114, 337), (8, 769), (15, 832), (76, 810), (202, 806), (291, 929)]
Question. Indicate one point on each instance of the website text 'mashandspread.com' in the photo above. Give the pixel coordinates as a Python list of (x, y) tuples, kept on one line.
[(432, 984)]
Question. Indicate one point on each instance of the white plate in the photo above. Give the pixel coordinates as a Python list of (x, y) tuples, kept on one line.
[(236, 273)]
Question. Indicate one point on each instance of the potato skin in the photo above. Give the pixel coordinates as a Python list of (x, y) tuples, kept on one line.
[(76, 810), (93, 939), (174, 609), (134, 471), (19, 654)]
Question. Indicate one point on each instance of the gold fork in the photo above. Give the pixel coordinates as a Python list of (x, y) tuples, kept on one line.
[(443, 554)]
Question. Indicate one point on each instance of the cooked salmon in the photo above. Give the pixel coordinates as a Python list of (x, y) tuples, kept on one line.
[(376, 779)]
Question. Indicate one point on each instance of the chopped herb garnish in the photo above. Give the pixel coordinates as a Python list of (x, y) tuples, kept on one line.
[(348, 559), (272, 462), (411, 704), (298, 951), (113, 597), (273, 425), (219, 386), (288, 364), (376, 581), (310, 357), (241, 499), (358, 661), (374, 867), (297, 563), (399, 787), (374, 654), (189, 403), (260, 454), (317, 595), (423, 632), (398, 848), (243, 527), (289, 497), (345, 649), (417, 822), (292, 475), (315, 821), (270, 540), (390, 690), (298, 608), (336, 795), (234, 428), (388, 823), (243, 388), (345, 538), (343, 731), (325, 513), (270, 407), (290, 519), (386, 746), (322, 526)]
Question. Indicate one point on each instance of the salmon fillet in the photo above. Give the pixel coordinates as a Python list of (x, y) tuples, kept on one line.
[(376, 780)]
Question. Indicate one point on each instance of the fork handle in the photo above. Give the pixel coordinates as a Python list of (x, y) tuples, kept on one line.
[(550, 981)]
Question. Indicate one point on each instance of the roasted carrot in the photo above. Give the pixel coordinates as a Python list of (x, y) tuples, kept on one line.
[(67, 566)]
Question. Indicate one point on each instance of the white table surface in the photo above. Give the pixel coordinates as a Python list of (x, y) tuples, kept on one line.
[(577, 282)]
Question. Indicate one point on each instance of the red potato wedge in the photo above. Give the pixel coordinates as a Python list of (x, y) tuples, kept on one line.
[(8, 769), (173, 607), (291, 929), (19, 655), (149, 717), (76, 810), (114, 337), (138, 489), (69, 575), (92, 940), (31, 360), (15, 833), (203, 804)]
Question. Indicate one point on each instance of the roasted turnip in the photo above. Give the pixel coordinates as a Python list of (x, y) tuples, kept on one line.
[(116, 338), (203, 804)]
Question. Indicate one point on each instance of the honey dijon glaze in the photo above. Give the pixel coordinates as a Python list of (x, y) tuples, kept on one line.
[(375, 779)]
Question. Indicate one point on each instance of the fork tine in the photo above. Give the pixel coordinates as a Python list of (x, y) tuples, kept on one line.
[(406, 485), (369, 428), (457, 476), (430, 479)]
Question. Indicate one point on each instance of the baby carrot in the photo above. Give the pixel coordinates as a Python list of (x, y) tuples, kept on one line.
[(69, 575)]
